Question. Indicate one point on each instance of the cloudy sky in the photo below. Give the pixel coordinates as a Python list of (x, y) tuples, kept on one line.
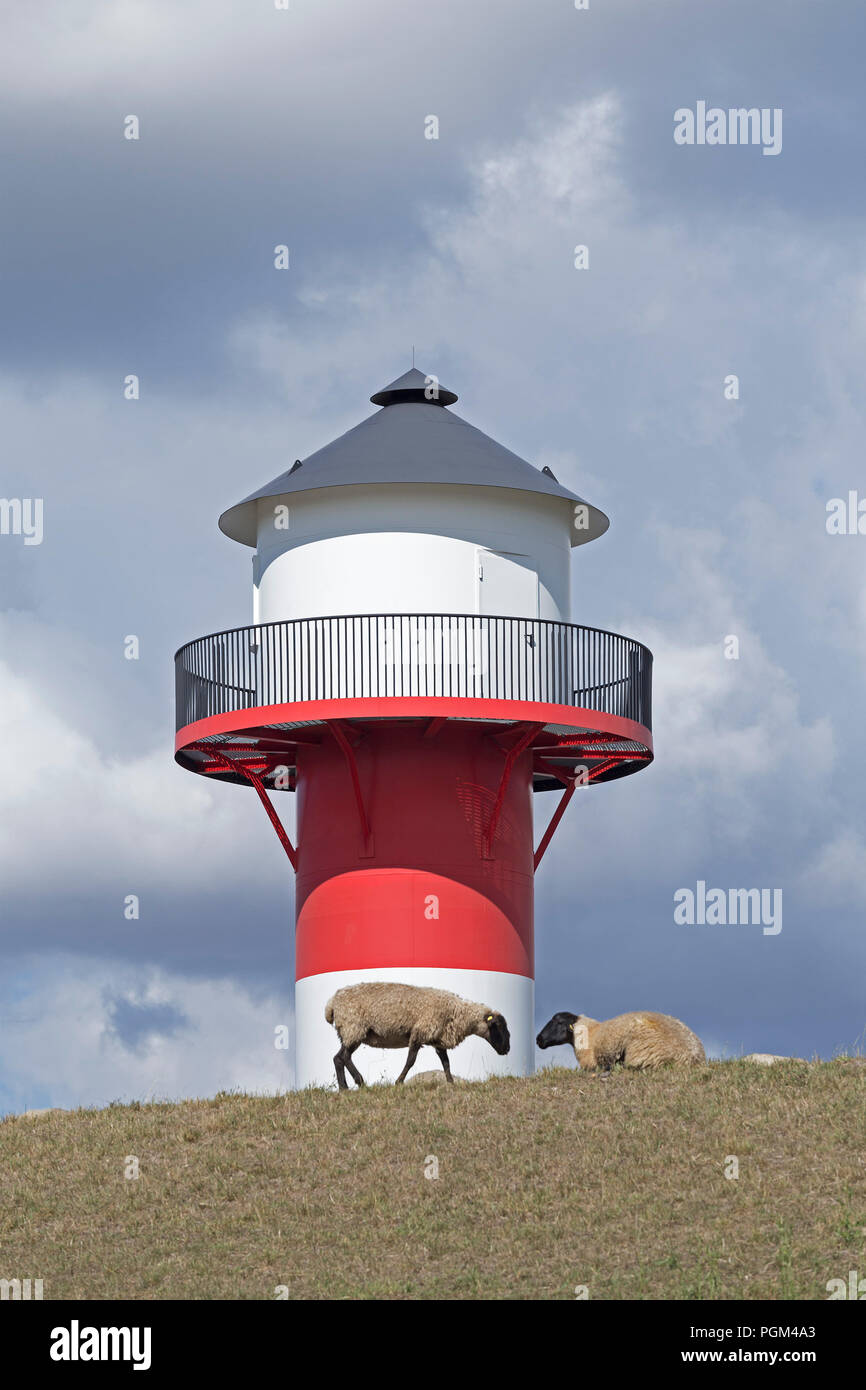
[(306, 126)]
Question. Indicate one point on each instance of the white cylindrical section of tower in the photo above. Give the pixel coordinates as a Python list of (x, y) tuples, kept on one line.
[(413, 548), (473, 1060)]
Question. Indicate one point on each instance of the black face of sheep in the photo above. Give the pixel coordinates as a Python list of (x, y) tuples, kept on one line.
[(557, 1031), (497, 1034)]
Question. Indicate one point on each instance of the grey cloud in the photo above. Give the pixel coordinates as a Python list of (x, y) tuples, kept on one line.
[(137, 1024)]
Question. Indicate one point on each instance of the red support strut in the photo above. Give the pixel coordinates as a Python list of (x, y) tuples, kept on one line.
[(230, 766), (513, 754), (336, 727), (554, 822), (572, 780)]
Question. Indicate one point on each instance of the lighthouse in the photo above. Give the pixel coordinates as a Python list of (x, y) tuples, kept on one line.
[(413, 676)]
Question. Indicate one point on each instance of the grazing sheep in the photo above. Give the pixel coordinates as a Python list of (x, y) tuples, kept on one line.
[(397, 1015), (635, 1040)]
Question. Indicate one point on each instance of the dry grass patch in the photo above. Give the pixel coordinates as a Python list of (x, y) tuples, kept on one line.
[(544, 1184)]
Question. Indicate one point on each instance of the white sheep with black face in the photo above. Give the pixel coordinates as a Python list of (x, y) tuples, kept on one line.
[(412, 1016), (639, 1040)]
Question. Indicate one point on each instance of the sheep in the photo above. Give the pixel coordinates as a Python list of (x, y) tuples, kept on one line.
[(398, 1015), (639, 1040)]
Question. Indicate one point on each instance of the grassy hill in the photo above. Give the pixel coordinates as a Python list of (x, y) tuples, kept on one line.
[(544, 1184)]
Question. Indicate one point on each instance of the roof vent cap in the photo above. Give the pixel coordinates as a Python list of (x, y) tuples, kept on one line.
[(414, 386)]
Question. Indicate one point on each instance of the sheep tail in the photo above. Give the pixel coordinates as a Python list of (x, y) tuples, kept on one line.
[(329, 1011)]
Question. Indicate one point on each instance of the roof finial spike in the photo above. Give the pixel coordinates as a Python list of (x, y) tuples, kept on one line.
[(413, 354)]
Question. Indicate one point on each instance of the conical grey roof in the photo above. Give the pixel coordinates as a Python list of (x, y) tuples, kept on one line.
[(414, 438)]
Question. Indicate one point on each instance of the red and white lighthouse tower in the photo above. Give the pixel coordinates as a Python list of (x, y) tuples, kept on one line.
[(412, 674)]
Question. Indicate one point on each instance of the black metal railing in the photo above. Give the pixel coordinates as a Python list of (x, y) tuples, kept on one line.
[(422, 654)]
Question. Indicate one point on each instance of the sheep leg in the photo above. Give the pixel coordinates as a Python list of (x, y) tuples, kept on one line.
[(340, 1069), (343, 1060), (353, 1070), (414, 1049), (442, 1054)]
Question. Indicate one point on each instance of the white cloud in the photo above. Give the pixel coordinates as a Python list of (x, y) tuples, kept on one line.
[(59, 1045), (82, 821), (835, 877)]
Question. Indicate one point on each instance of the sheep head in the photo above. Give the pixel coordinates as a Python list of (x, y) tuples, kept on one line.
[(495, 1030), (559, 1030)]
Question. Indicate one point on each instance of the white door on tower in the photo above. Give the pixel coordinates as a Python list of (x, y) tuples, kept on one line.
[(506, 588), (507, 659)]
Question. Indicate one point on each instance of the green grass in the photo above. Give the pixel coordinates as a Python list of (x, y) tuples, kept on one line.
[(544, 1184)]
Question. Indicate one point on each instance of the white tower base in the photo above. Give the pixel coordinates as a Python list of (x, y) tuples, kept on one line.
[(473, 1060)]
